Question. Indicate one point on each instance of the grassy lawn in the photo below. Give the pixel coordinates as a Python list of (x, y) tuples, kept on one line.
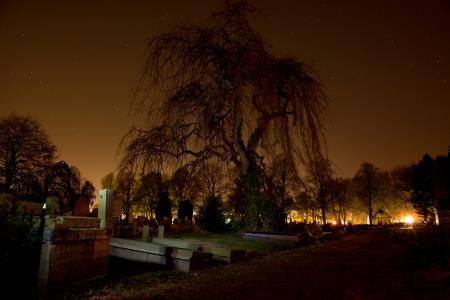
[(235, 241)]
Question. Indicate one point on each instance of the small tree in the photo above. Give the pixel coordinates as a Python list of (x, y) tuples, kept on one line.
[(210, 215)]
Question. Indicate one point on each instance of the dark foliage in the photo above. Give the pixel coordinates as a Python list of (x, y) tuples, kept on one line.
[(19, 248), (64, 181), (211, 216), (185, 210), (163, 207), (26, 153), (422, 186)]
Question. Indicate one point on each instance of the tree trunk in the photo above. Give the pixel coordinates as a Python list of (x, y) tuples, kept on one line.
[(323, 206)]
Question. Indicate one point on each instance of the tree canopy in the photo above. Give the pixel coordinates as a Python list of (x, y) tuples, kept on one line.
[(215, 89), (26, 151)]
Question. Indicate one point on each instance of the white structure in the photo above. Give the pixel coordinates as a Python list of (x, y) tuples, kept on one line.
[(105, 208)]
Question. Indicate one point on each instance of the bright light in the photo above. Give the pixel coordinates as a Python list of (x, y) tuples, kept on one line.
[(227, 220), (409, 219)]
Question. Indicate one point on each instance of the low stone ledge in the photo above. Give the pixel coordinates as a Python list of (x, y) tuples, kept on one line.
[(74, 234), (64, 222), (140, 246), (176, 243), (284, 237)]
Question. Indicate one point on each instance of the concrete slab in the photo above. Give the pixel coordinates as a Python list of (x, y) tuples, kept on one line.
[(138, 256), (293, 238), (140, 246), (177, 243)]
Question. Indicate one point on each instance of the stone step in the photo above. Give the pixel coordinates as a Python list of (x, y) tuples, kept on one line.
[(140, 246), (138, 251), (176, 243), (228, 255)]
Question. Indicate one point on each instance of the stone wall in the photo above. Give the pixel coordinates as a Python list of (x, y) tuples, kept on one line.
[(74, 249), (72, 254)]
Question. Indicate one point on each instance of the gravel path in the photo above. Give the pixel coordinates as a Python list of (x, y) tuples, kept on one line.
[(367, 265)]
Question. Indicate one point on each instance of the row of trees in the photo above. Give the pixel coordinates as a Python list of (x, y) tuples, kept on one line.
[(145, 194), (321, 195), (29, 169)]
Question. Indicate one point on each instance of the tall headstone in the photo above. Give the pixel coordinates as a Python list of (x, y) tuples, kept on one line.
[(105, 208)]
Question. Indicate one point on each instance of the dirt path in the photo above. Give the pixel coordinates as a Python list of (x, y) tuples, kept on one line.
[(368, 265)]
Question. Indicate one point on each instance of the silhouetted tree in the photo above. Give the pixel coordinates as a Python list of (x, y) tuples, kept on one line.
[(185, 184), (307, 205), (280, 182), (210, 214), (63, 181), (442, 181), (26, 152), (423, 187), (107, 181), (88, 190), (185, 210), (370, 185), (236, 202), (320, 177), (213, 177), (125, 189), (147, 195), (340, 193), (216, 90)]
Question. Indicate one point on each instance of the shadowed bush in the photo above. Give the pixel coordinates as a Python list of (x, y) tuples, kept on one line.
[(210, 215)]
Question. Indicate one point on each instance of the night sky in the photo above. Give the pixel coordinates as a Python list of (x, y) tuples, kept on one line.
[(385, 66)]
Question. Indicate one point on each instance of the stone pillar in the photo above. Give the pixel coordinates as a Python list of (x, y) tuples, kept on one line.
[(145, 232), (105, 208), (161, 231)]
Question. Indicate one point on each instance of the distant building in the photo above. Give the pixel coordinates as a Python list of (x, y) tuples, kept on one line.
[(381, 217)]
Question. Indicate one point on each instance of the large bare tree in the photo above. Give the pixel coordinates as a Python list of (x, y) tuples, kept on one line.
[(25, 150), (216, 90)]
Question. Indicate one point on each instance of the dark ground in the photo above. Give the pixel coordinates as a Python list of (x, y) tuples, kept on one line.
[(366, 265), (363, 265)]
